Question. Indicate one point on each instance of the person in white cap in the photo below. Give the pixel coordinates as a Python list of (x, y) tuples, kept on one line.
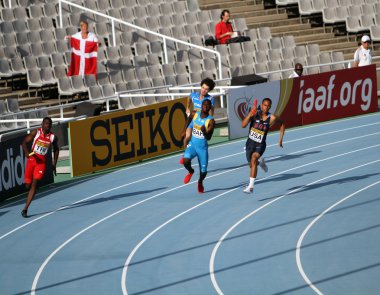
[(363, 55)]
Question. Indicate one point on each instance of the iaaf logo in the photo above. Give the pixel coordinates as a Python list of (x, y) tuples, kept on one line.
[(243, 106), (356, 91), (276, 90), (12, 170)]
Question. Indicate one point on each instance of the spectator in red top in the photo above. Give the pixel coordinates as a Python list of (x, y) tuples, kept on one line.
[(223, 29), (224, 32)]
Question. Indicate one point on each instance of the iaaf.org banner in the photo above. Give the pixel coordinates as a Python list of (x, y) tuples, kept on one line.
[(308, 99), (12, 168), (126, 136)]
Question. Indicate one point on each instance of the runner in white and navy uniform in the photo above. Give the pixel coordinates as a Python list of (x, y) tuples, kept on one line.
[(260, 122)]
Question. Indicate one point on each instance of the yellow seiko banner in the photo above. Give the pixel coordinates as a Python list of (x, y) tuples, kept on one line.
[(123, 137)]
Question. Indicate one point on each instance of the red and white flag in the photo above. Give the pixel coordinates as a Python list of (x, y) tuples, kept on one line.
[(84, 55)]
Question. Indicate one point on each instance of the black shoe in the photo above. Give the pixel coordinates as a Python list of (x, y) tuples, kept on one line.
[(24, 213)]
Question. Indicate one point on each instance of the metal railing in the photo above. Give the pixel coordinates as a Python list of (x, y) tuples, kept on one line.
[(27, 129), (348, 62), (219, 90), (164, 37)]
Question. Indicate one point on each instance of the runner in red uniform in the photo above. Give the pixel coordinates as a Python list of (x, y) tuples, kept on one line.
[(42, 139)]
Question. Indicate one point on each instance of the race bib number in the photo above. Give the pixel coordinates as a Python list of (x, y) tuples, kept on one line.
[(41, 148), (256, 135), (198, 133)]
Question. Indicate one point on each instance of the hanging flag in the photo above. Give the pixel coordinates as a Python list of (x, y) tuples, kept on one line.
[(84, 55)]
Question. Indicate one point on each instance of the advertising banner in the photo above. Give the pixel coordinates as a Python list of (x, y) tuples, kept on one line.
[(126, 136), (12, 165), (308, 99)]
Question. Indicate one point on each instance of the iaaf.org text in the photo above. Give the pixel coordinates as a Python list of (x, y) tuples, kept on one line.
[(329, 96)]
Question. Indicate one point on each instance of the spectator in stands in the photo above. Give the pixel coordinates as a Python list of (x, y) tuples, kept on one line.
[(363, 55), (41, 139), (298, 69), (84, 46), (224, 32)]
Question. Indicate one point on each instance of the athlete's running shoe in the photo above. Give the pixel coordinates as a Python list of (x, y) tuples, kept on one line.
[(187, 178), (24, 213), (263, 165), (201, 188), (248, 190), (182, 160)]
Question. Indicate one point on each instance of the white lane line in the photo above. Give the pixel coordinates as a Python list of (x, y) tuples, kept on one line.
[(230, 143), (35, 281), (61, 208), (135, 249), (300, 240), (109, 216), (216, 248), (11, 202), (161, 174)]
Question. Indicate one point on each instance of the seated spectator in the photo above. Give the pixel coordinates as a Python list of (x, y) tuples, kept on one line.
[(298, 69), (224, 32)]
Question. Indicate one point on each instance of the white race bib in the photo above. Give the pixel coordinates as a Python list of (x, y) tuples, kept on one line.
[(198, 133), (41, 148), (256, 135)]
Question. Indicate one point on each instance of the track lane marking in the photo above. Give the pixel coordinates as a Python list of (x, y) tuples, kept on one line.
[(136, 248), (308, 227), (216, 248)]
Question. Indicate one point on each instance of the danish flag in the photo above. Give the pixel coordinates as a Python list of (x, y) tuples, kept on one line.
[(84, 55)]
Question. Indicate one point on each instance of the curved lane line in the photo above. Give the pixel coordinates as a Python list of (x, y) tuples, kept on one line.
[(129, 259), (217, 146), (215, 250), (39, 272), (300, 240), (143, 201), (157, 175)]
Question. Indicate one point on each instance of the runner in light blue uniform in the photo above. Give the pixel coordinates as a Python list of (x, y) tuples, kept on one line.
[(197, 98), (197, 101), (202, 127)]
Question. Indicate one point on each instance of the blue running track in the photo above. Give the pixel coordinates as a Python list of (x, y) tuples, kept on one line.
[(310, 227)]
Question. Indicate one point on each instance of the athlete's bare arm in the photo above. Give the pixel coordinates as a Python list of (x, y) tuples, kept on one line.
[(29, 138), (275, 120)]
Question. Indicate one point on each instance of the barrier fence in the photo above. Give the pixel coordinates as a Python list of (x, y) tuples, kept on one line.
[(126, 136)]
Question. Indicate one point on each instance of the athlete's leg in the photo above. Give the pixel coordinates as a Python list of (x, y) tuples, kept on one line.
[(253, 153), (38, 174), (253, 164), (203, 163), (187, 165), (28, 179), (31, 194), (189, 154)]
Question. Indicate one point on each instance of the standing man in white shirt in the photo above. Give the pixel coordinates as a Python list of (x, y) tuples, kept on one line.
[(363, 55)]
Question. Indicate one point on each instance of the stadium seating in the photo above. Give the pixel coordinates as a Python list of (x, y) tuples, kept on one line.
[(33, 44)]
